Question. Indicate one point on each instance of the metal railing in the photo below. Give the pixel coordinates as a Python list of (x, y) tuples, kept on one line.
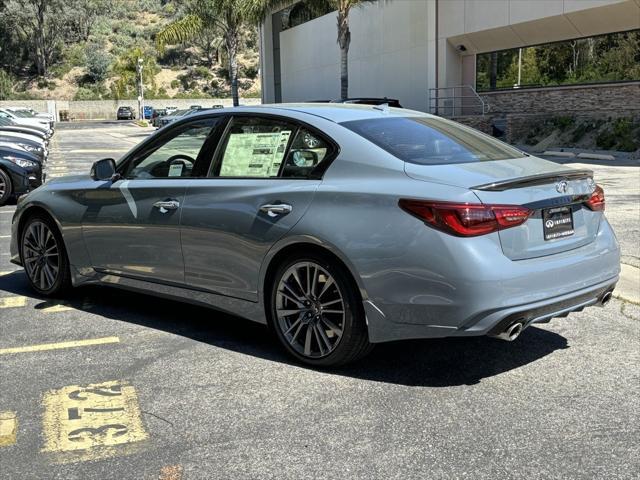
[(456, 101)]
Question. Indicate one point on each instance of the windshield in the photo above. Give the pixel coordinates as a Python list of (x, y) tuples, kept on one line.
[(431, 141)]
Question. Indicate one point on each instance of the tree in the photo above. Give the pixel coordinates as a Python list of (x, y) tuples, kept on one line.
[(227, 16), (83, 15), (40, 22), (259, 9), (125, 67)]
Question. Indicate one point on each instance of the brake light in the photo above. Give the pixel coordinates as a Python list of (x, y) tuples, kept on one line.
[(466, 219), (596, 201)]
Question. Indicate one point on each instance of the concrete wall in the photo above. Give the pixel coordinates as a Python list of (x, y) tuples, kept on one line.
[(392, 54), (106, 109), (622, 97)]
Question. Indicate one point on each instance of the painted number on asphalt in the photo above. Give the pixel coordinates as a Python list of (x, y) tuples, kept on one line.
[(83, 417)]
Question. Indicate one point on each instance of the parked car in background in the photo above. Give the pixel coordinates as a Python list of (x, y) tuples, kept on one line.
[(33, 146), (195, 107), (29, 121), (168, 119), (339, 226), (8, 126), (157, 114), (125, 113), (33, 113), (148, 112), (20, 172), (29, 114)]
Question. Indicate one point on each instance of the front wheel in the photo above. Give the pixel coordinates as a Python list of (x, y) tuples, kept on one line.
[(6, 188), (317, 313), (44, 257)]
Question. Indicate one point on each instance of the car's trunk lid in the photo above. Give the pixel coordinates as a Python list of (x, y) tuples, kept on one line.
[(555, 193)]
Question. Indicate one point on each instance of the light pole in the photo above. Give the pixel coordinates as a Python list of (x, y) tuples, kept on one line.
[(141, 96)]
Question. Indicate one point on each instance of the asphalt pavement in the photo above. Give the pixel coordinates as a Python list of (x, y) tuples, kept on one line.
[(111, 384)]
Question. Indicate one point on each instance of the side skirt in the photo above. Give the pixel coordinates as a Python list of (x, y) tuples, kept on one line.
[(234, 306)]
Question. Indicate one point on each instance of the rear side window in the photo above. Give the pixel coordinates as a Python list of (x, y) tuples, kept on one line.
[(431, 141)]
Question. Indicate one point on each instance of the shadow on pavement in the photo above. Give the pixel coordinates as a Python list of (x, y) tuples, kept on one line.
[(427, 363)]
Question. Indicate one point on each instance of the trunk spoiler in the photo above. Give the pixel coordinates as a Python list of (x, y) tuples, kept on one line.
[(539, 179)]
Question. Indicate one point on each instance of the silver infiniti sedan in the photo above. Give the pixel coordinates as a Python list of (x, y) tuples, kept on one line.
[(339, 226)]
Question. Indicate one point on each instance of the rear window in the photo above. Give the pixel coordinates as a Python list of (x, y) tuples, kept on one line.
[(431, 141)]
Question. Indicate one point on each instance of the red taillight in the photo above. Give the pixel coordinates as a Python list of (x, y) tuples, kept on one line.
[(464, 219), (596, 201)]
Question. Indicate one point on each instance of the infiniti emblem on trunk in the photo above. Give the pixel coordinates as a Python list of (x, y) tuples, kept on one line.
[(549, 223), (561, 187)]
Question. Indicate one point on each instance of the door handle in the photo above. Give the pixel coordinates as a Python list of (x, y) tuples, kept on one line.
[(165, 205), (273, 210)]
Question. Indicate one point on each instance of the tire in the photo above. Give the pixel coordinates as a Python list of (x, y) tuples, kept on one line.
[(320, 321), (44, 256), (6, 187)]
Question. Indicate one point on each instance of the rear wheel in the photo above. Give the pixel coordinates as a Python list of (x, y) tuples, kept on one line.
[(317, 313), (6, 188), (44, 257)]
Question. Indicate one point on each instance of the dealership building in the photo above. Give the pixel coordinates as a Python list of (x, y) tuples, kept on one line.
[(455, 57)]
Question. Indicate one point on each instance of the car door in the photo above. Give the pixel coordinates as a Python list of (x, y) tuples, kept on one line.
[(132, 226), (262, 180)]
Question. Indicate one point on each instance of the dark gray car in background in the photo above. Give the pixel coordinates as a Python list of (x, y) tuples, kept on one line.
[(339, 226)]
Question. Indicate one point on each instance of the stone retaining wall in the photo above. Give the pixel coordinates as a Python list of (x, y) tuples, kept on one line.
[(566, 99), (479, 122)]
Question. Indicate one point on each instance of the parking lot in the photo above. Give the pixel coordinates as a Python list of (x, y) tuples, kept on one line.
[(112, 384)]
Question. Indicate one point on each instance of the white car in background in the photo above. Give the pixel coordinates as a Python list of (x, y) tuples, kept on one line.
[(31, 112), (20, 118)]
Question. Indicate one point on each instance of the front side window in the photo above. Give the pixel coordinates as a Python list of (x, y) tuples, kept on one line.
[(175, 157), (254, 148), (431, 141)]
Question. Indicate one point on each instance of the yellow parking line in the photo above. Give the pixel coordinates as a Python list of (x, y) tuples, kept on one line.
[(56, 308), (8, 428), (8, 272), (13, 302), (5, 236), (60, 345), (7, 212)]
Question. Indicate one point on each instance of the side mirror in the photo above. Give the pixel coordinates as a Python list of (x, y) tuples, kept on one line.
[(103, 169)]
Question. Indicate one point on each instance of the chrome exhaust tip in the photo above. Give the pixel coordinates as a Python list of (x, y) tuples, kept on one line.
[(511, 333), (606, 298)]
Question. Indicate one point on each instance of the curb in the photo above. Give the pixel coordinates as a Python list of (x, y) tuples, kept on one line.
[(628, 287), (596, 156), (555, 153)]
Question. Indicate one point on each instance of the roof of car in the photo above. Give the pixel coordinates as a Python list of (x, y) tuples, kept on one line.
[(335, 112)]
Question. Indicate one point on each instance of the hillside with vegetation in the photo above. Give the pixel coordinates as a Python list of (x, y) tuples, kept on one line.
[(89, 50)]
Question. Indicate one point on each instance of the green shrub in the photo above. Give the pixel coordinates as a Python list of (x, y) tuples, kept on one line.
[(563, 122), (175, 84), (98, 62), (6, 85), (628, 145), (606, 140)]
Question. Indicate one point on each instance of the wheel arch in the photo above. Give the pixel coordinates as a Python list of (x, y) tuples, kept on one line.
[(303, 245)]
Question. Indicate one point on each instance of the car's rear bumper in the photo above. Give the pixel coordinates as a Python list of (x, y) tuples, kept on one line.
[(479, 291), (489, 323)]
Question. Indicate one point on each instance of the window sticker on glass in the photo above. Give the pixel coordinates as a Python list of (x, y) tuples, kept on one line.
[(175, 170), (254, 154)]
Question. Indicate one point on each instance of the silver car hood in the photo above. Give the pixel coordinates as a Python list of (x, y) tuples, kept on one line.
[(469, 175)]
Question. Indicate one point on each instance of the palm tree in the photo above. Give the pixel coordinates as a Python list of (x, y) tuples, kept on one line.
[(259, 9), (224, 15)]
